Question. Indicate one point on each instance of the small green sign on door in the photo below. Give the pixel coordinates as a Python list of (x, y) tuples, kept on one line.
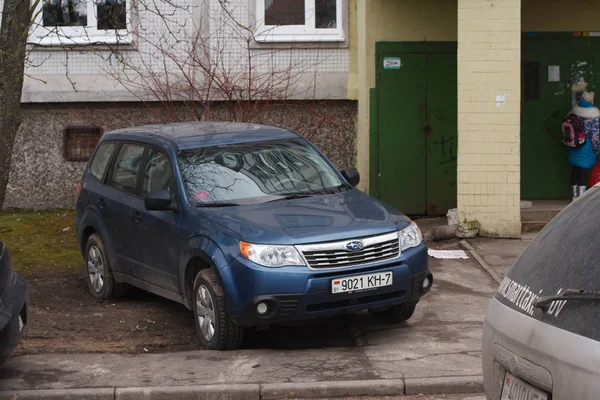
[(392, 63)]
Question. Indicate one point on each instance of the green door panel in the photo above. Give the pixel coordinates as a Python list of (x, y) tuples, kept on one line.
[(402, 144), (414, 127), (545, 171), (442, 141)]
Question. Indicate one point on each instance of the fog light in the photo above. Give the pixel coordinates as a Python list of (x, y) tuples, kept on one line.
[(426, 283), (262, 308)]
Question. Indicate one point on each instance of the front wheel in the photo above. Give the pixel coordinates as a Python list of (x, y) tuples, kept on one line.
[(216, 330), (397, 314)]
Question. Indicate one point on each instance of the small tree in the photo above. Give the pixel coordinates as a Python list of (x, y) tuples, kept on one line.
[(16, 21), (215, 72)]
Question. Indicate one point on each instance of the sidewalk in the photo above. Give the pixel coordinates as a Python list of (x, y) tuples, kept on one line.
[(437, 351), (501, 254)]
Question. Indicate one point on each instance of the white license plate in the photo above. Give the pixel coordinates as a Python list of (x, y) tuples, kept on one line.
[(515, 388), (361, 282)]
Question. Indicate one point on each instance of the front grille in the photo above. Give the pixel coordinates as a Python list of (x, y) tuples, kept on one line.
[(354, 301), (336, 255)]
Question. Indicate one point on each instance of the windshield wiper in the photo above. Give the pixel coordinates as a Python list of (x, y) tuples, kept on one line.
[(570, 294), (291, 197), (218, 205)]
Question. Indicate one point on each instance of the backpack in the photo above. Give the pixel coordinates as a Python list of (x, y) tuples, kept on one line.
[(573, 131)]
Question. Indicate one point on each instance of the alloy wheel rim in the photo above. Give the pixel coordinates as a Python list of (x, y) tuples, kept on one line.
[(205, 312), (95, 264)]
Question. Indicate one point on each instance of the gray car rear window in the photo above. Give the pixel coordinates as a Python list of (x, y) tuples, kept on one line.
[(565, 255)]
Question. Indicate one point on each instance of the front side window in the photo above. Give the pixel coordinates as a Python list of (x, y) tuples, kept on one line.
[(299, 20), (64, 22), (101, 159), (255, 172), (126, 169), (158, 174)]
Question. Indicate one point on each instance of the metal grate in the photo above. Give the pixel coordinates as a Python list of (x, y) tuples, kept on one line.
[(532, 80), (337, 255), (79, 142)]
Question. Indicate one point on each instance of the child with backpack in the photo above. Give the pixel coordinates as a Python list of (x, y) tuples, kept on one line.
[(581, 133)]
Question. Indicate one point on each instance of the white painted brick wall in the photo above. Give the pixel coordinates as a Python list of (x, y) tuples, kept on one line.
[(88, 68)]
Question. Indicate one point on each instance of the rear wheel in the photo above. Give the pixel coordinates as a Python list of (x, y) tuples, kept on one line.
[(214, 326), (98, 272), (397, 314)]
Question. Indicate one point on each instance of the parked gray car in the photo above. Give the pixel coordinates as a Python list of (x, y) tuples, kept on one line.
[(542, 329)]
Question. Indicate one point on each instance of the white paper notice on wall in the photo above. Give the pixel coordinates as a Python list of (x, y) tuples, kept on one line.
[(554, 73)]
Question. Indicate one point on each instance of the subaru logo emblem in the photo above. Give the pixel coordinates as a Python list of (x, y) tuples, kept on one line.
[(356, 245)]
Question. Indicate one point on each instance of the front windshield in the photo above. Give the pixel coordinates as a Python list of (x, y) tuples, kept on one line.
[(255, 172)]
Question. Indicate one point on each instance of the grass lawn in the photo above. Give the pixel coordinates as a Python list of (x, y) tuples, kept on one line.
[(40, 241)]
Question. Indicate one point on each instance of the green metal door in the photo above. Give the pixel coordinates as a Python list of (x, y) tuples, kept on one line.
[(416, 127), (553, 67)]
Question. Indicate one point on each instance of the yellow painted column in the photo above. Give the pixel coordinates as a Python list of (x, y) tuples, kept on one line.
[(489, 101)]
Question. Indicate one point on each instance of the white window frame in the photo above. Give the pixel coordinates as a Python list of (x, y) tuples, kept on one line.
[(299, 33), (80, 35)]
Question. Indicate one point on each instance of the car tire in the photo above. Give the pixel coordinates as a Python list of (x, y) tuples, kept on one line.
[(98, 272), (397, 314), (216, 330)]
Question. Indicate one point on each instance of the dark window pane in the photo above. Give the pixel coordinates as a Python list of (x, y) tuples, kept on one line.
[(532, 81), (326, 14), (125, 171), (284, 12), (101, 159), (64, 13), (112, 14)]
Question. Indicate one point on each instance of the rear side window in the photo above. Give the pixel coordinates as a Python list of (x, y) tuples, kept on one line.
[(101, 159), (125, 172), (563, 256)]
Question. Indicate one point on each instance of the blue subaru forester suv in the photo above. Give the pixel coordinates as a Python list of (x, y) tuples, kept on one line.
[(246, 225)]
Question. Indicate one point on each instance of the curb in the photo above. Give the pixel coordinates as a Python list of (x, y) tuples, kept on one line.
[(271, 391), (467, 246), (382, 387)]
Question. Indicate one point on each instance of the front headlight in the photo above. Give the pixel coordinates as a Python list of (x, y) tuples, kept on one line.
[(410, 236), (271, 255)]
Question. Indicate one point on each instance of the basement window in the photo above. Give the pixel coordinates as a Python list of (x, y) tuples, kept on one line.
[(79, 142)]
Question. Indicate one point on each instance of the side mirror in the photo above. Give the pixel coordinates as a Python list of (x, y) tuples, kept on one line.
[(352, 176), (158, 201)]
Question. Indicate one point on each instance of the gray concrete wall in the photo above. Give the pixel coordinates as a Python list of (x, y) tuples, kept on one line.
[(41, 178)]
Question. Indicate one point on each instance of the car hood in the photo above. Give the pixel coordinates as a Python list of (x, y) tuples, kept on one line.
[(340, 216)]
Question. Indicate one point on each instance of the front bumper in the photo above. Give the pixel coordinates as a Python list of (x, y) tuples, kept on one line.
[(13, 316), (299, 293)]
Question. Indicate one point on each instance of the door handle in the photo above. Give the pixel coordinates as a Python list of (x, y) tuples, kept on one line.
[(101, 203), (136, 216)]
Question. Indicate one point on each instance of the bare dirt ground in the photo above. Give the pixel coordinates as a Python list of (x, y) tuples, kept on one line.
[(65, 318)]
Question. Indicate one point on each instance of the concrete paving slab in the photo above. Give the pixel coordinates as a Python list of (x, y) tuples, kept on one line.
[(501, 254)]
